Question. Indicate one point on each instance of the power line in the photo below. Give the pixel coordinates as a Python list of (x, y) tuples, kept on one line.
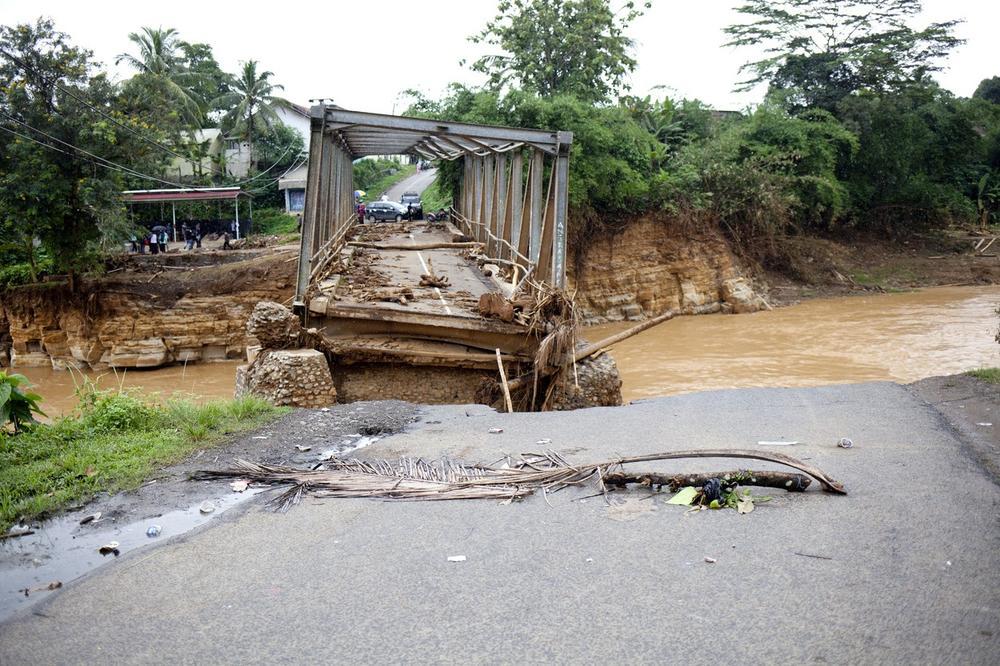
[(114, 165), (132, 130), (65, 90)]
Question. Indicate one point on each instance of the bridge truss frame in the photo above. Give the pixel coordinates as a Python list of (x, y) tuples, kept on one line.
[(513, 195)]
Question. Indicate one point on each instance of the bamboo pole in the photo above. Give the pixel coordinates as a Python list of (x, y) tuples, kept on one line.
[(503, 382)]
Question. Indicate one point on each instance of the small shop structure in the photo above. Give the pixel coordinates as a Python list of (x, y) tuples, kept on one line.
[(228, 198)]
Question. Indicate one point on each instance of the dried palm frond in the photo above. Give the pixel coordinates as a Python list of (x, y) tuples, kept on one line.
[(445, 479)]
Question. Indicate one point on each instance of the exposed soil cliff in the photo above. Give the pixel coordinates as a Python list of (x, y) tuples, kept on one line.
[(145, 315), (655, 265)]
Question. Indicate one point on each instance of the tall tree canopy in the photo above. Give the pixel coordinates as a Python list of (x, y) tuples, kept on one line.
[(550, 47), (818, 51), (61, 160), (160, 65), (252, 105)]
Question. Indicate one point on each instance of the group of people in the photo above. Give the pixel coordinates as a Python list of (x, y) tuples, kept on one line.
[(155, 242), (192, 235)]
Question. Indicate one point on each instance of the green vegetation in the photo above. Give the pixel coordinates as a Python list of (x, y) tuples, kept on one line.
[(435, 197), (114, 442), (854, 134), (72, 140), (991, 375), (273, 222), (17, 407)]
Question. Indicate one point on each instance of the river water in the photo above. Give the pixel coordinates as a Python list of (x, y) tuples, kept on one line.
[(197, 380), (900, 337)]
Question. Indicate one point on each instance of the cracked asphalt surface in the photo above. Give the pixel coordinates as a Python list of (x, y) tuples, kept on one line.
[(901, 570)]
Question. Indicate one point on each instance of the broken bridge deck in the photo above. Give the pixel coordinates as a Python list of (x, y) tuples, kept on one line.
[(438, 325)]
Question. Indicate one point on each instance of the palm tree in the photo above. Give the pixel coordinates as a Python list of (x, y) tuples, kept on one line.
[(253, 106), (159, 60)]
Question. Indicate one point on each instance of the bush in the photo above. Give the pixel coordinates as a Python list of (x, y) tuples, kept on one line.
[(273, 221), (17, 407)]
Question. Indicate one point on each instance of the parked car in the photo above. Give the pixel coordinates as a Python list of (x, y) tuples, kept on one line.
[(412, 200), (385, 210)]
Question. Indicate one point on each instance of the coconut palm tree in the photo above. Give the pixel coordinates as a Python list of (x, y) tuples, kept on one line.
[(159, 59), (253, 106)]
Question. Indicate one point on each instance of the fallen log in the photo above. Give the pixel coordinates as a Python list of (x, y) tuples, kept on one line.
[(766, 479), (413, 246)]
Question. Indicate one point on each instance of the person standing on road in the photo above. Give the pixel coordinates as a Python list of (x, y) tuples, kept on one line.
[(163, 241), (154, 243), (197, 234)]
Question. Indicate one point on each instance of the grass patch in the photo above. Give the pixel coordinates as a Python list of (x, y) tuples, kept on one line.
[(434, 199), (990, 375), (273, 222), (113, 442)]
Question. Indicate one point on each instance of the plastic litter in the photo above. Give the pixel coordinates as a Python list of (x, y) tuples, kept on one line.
[(495, 431), (456, 558), (153, 531), (845, 443)]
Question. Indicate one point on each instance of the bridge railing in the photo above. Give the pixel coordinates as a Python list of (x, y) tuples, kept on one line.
[(505, 204)]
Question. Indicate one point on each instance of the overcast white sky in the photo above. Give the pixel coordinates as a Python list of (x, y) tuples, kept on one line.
[(362, 54)]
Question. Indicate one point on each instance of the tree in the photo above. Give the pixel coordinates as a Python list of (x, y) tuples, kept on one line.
[(988, 89), (210, 81), (252, 105), (550, 47), (59, 179), (161, 69), (819, 51)]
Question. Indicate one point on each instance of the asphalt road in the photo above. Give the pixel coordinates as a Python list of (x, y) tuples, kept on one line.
[(901, 570), (418, 182)]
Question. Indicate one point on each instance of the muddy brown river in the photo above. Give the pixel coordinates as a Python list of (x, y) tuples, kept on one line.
[(899, 337)]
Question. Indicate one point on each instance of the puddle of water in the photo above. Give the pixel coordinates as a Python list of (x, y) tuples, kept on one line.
[(896, 337), (347, 446), (63, 550)]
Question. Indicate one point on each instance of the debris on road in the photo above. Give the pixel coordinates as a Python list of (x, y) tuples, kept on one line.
[(110, 548), (817, 557), (710, 560), (419, 479), (303, 449), (240, 485), (495, 431), (153, 531), (845, 443), (54, 585), (456, 558), (765, 443), (17, 531), (92, 518), (206, 507)]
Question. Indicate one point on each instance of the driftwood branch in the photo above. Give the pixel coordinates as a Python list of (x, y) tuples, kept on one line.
[(766, 479), (591, 349)]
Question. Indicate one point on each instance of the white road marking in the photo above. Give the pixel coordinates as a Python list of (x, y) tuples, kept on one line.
[(436, 290)]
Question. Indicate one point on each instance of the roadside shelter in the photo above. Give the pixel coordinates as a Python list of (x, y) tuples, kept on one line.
[(174, 196)]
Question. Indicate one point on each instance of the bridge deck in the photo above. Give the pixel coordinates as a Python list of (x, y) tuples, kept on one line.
[(350, 304)]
